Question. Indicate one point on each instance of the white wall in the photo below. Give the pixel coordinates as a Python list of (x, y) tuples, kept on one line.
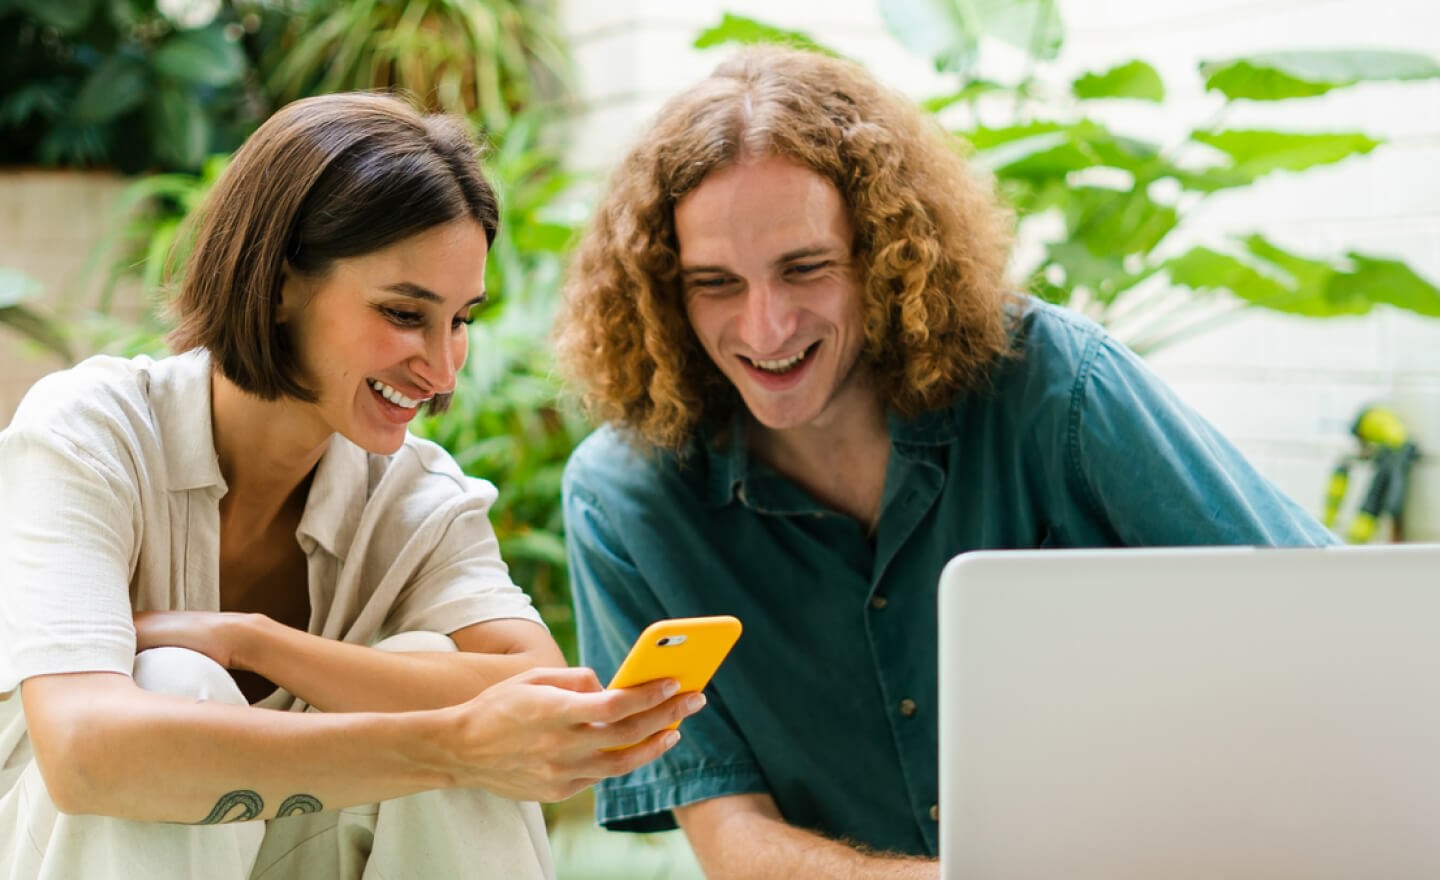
[(1284, 389)]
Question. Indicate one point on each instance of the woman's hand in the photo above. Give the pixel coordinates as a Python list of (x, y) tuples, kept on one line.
[(546, 734), (215, 634)]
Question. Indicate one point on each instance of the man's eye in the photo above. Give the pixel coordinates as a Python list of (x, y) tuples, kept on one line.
[(807, 268), (708, 283)]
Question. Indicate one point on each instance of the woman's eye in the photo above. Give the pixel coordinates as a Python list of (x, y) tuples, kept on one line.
[(403, 318), (808, 268), (464, 320)]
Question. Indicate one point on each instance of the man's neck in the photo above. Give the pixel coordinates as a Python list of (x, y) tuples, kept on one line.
[(840, 460)]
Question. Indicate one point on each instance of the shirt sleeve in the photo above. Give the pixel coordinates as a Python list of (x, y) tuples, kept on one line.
[(1158, 473), (461, 579), (613, 604), (67, 544)]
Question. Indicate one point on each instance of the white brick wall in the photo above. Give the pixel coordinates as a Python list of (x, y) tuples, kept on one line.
[(1284, 389)]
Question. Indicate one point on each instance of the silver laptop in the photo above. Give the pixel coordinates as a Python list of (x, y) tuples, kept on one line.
[(1217, 714)]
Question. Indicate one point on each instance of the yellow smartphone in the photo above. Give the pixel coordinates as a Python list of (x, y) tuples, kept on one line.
[(687, 649)]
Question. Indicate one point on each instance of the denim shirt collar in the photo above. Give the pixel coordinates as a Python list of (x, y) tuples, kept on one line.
[(735, 475)]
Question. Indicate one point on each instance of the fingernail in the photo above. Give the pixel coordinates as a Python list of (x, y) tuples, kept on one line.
[(670, 738), (670, 688), (695, 702)]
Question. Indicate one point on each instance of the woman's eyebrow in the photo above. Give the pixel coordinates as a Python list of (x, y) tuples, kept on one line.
[(415, 291)]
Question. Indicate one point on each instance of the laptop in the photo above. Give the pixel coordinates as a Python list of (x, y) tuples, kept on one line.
[(1215, 713)]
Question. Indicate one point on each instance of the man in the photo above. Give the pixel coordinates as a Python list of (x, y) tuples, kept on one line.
[(790, 312)]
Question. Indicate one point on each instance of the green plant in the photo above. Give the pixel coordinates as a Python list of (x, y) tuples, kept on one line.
[(85, 82), (1107, 208), (15, 289), (507, 422), (486, 57)]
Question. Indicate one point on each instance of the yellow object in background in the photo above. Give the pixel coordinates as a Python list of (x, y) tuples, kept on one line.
[(1386, 444)]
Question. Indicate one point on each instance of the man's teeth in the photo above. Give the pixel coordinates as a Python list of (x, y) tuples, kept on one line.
[(781, 365), (394, 396)]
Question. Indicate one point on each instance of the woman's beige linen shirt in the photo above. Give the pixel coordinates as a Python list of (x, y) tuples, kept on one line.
[(109, 504)]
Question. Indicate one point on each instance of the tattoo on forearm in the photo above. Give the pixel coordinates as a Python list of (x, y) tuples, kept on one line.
[(242, 806), (296, 804), (248, 803)]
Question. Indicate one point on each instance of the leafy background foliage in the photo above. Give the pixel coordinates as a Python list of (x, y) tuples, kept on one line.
[(123, 83), (1109, 209)]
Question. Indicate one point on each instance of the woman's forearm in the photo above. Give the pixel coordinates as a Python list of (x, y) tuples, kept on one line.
[(337, 677), (107, 747)]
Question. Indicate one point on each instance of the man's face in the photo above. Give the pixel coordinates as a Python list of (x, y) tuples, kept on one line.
[(771, 292)]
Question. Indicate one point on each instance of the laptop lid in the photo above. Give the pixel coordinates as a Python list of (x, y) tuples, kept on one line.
[(1196, 713)]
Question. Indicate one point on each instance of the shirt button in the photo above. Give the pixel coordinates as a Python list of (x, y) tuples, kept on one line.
[(907, 707), (934, 812), (878, 602)]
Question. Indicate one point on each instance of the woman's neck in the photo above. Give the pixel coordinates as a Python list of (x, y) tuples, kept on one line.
[(266, 450)]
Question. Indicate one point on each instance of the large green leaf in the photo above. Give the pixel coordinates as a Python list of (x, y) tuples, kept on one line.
[(1208, 271), (179, 127), (112, 89), (1259, 152), (66, 16), (1302, 74), (1303, 272), (1134, 80), (205, 57), (748, 31), (1037, 150), (1117, 223), (1103, 277), (948, 32), (1274, 278), (1387, 281), (16, 287), (973, 89), (37, 328)]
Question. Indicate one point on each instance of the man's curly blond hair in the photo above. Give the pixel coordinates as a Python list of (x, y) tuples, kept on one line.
[(931, 243)]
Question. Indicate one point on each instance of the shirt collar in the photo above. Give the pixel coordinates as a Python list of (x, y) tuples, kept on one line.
[(337, 497), (728, 459), (180, 395), (180, 398), (732, 474)]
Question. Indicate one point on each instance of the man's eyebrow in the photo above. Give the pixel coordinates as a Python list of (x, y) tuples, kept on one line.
[(815, 250), (699, 270), (405, 288), (818, 250)]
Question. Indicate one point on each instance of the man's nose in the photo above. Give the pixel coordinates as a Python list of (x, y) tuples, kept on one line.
[(768, 319)]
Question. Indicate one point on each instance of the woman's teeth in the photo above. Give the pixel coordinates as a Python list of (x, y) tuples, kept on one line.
[(780, 366), (394, 396)]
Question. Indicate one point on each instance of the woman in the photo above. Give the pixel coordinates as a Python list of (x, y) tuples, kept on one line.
[(189, 545)]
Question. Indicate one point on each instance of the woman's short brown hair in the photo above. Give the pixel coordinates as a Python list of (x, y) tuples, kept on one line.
[(931, 243), (323, 179)]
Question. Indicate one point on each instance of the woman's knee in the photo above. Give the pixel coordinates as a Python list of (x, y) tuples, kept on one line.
[(181, 672)]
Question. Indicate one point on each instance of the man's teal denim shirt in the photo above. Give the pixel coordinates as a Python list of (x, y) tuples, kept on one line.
[(828, 702)]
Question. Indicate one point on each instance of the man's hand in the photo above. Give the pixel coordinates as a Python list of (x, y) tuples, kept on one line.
[(544, 734), (212, 633)]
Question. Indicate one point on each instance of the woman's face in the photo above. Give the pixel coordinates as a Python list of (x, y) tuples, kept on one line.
[(383, 333)]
